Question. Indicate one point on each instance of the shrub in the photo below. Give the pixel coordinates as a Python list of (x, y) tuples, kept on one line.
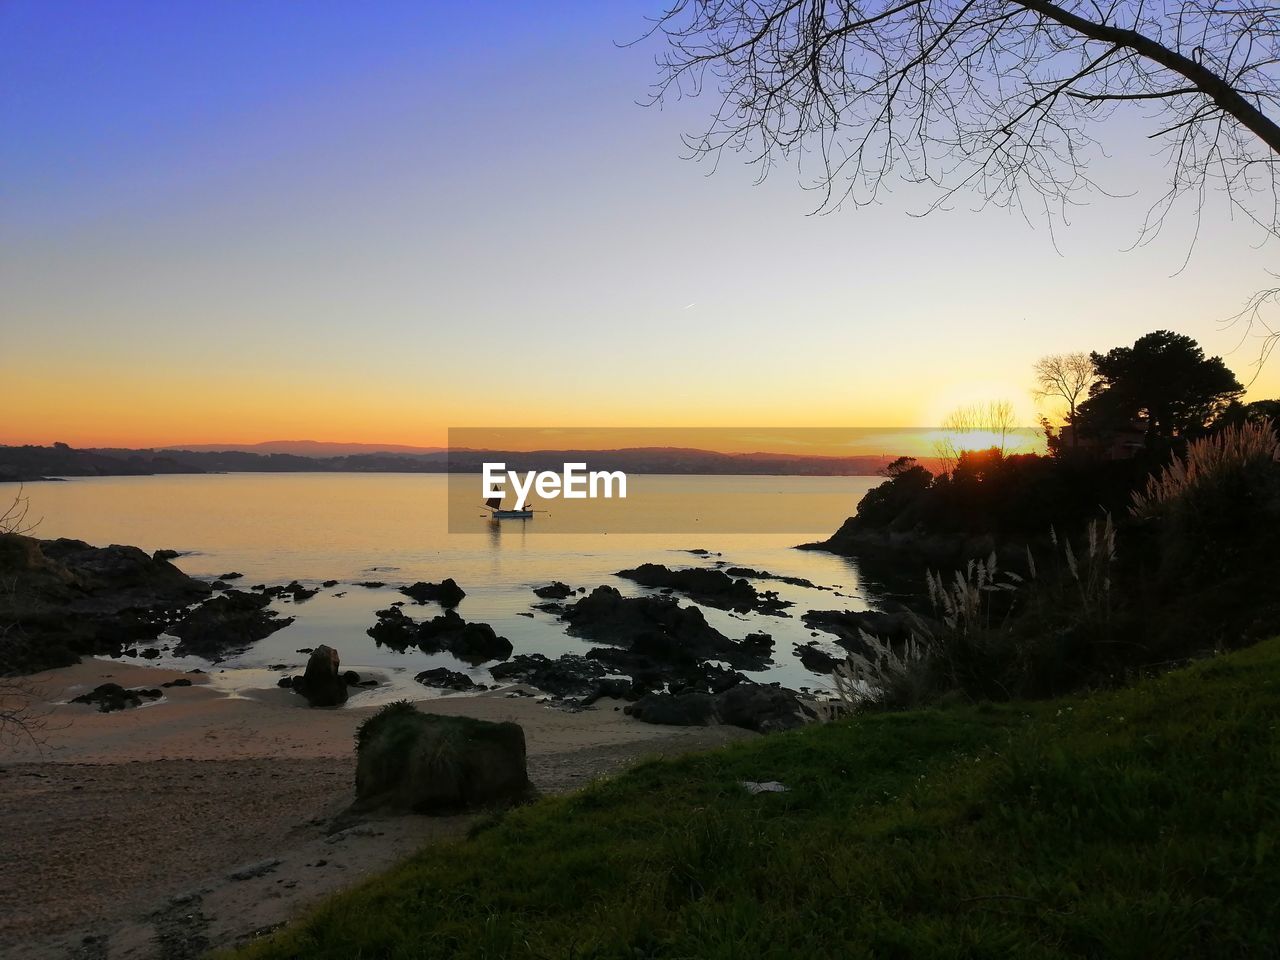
[(1211, 465)]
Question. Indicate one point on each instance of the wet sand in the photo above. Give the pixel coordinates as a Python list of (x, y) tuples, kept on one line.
[(202, 820)]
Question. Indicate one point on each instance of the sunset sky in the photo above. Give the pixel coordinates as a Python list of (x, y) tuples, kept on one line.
[(370, 222)]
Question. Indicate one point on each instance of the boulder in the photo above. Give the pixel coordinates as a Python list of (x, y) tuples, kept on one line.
[(394, 630), (474, 643), (112, 696), (764, 708), (323, 684), (447, 593), (752, 706), (766, 575), (413, 762), (711, 587), (64, 598), (691, 709), (554, 591), (666, 629), (478, 643), (228, 623), (569, 675), (815, 659), (445, 679)]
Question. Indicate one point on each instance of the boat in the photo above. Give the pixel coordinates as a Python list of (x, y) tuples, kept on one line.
[(494, 506)]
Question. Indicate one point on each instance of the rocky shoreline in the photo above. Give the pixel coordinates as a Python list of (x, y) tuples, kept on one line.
[(655, 652)]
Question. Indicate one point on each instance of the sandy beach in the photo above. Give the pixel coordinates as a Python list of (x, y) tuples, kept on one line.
[(203, 819)]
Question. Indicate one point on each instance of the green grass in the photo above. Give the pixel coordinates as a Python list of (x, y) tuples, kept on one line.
[(1140, 823)]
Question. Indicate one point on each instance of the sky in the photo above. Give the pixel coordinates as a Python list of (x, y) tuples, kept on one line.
[(240, 222)]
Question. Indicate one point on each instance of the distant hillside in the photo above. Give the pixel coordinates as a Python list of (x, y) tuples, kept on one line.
[(28, 463), (305, 448)]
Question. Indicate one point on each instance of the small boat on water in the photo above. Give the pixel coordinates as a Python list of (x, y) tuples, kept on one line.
[(494, 506)]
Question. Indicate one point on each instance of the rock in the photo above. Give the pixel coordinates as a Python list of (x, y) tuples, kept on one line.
[(371, 584), (299, 592), (445, 679), (219, 585), (815, 659), (230, 576), (286, 682), (753, 706), (351, 678), (447, 593), (408, 761), (569, 675), (478, 643), (179, 682), (112, 696), (766, 575), (659, 625), (151, 653), (711, 587), (394, 630), (554, 591), (475, 643), (166, 555), (896, 627), (758, 643), (322, 684), (64, 598), (329, 583), (764, 709), (691, 709), (227, 623), (612, 689)]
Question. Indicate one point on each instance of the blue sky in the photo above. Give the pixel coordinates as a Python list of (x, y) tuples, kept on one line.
[(248, 221)]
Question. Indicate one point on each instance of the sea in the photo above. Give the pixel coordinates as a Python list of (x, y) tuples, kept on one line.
[(396, 529)]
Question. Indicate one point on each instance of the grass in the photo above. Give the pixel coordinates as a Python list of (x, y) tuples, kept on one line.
[(1138, 823)]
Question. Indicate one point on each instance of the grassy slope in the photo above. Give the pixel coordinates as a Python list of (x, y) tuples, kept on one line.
[(1140, 823)]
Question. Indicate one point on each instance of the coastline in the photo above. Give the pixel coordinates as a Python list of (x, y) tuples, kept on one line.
[(202, 819)]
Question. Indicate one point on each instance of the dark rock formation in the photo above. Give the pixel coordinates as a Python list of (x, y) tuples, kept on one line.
[(112, 696), (446, 679), (751, 574), (475, 643), (816, 659), (713, 588), (447, 593), (569, 675), (65, 598), (689, 709), (753, 706), (554, 591), (233, 575), (323, 684), (893, 626), (655, 626), (408, 761), (226, 624)]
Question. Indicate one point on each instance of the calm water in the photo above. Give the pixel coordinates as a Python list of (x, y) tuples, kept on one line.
[(274, 528)]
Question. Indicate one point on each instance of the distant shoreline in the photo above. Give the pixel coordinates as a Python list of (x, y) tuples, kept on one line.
[(35, 464)]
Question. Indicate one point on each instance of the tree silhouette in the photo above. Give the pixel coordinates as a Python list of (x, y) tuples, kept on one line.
[(1164, 381)]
